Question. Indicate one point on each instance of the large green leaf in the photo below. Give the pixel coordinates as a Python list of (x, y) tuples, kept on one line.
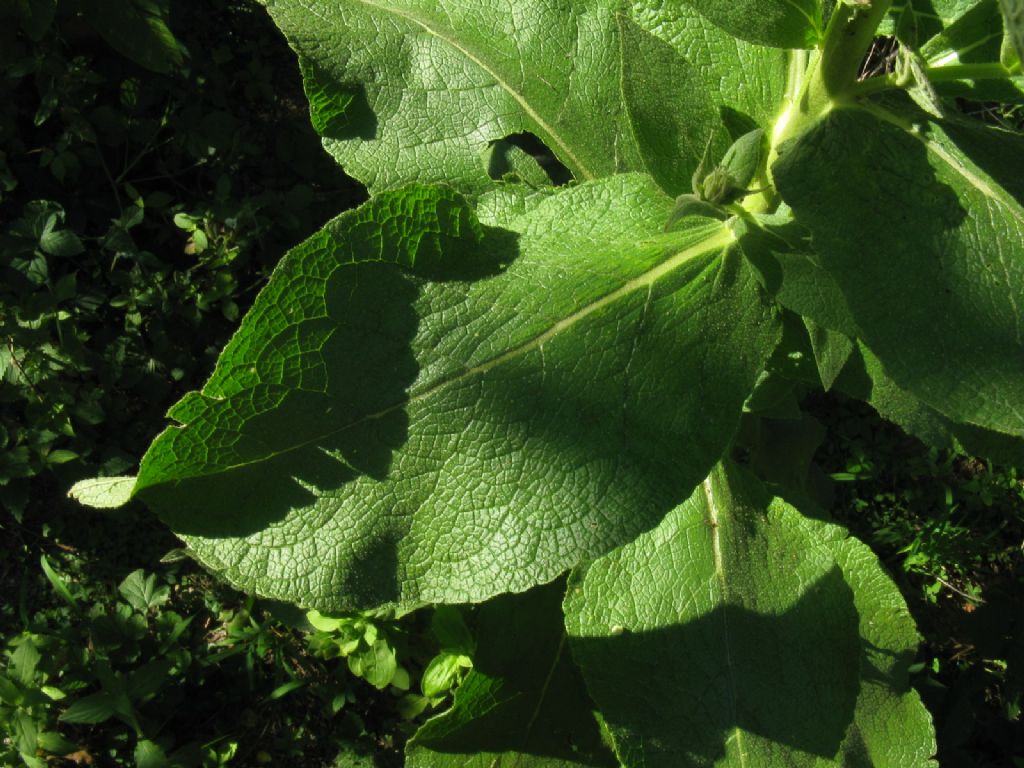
[(926, 244), (974, 36), (418, 91), (749, 81), (865, 379), (669, 109), (524, 703), (371, 436), (780, 23), (432, 84), (739, 633)]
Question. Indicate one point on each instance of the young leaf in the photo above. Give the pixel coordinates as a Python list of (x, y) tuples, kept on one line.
[(927, 248), (376, 664), (141, 592), (523, 703), (372, 437), (754, 637)]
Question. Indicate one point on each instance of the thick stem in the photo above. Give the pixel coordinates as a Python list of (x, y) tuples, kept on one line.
[(832, 77), (848, 37)]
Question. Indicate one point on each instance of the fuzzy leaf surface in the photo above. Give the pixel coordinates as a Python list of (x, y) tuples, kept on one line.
[(410, 90), (432, 84), (779, 23), (747, 81), (754, 636), (922, 230), (419, 408)]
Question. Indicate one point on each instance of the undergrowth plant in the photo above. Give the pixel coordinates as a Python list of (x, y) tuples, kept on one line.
[(484, 379)]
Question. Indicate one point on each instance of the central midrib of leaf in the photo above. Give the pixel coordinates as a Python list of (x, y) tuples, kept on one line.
[(578, 165), (716, 550), (716, 241)]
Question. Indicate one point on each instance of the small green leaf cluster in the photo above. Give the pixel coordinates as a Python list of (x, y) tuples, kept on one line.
[(378, 651)]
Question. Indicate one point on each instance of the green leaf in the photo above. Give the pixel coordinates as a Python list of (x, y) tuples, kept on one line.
[(62, 243), (24, 661), (921, 20), (24, 732), (284, 689), (865, 379), (831, 349), (669, 108), (149, 754), (331, 105), (441, 673), (56, 743), (137, 29), (103, 492), (974, 37), (753, 635), (36, 17), (10, 693), (324, 623), (92, 709), (937, 294), (432, 85), (141, 592), (523, 703), (61, 456), (779, 23), (406, 91), (1013, 19), (335, 456), (58, 583), (376, 665), (746, 81)]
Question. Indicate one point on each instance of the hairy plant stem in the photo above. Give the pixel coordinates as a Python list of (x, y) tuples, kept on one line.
[(832, 75)]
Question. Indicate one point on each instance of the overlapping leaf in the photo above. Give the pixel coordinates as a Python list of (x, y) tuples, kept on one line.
[(416, 91), (753, 636), (524, 703), (433, 83), (921, 228), (780, 23), (747, 81), (371, 436)]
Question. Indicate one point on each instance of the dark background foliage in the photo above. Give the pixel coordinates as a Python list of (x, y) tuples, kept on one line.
[(152, 172)]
